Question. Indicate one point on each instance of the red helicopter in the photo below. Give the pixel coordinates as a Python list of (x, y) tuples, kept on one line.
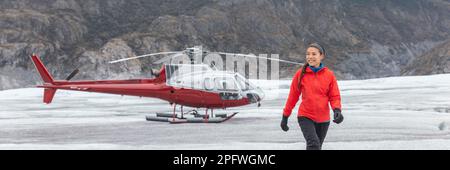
[(192, 85)]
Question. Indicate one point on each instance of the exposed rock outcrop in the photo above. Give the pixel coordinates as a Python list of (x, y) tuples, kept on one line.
[(364, 39)]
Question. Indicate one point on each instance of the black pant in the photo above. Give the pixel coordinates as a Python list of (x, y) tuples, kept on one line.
[(313, 132)]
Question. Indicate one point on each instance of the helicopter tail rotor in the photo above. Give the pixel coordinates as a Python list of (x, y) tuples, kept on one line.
[(71, 75)]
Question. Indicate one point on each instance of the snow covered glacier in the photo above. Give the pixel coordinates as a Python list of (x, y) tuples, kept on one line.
[(385, 113)]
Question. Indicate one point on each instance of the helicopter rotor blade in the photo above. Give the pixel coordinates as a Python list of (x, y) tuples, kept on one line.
[(254, 56), (146, 55), (167, 59)]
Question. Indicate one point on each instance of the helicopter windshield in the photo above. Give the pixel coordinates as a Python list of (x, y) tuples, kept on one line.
[(225, 84), (243, 83)]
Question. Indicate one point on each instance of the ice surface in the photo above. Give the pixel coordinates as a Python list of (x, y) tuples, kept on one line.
[(386, 113)]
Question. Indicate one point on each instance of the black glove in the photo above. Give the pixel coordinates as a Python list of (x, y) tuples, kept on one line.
[(338, 117), (284, 125)]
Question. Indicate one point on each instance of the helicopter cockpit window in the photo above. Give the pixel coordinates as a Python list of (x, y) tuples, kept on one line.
[(208, 84), (189, 81), (227, 87), (225, 84), (243, 83), (186, 75), (180, 70)]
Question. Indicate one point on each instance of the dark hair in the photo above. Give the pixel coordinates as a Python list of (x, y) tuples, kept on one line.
[(319, 47), (321, 50)]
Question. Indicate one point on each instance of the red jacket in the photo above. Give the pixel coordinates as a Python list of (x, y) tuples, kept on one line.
[(317, 89)]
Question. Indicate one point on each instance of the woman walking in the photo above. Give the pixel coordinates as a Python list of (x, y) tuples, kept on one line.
[(319, 89)]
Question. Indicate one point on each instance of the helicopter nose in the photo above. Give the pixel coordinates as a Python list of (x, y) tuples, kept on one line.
[(253, 97)]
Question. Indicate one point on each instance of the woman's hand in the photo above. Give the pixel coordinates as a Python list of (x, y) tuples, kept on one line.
[(338, 117), (283, 124)]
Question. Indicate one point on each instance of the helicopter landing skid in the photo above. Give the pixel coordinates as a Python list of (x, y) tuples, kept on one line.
[(197, 118)]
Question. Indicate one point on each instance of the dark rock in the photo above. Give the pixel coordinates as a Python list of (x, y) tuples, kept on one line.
[(364, 39)]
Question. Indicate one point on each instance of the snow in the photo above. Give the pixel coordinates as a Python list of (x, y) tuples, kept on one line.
[(386, 113)]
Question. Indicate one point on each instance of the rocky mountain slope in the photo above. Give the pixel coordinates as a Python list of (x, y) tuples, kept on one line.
[(364, 39), (435, 61)]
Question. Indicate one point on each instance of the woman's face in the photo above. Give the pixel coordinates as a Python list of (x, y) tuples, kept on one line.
[(313, 56)]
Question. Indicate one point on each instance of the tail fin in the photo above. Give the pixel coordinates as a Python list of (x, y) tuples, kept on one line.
[(46, 76), (48, 95)]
